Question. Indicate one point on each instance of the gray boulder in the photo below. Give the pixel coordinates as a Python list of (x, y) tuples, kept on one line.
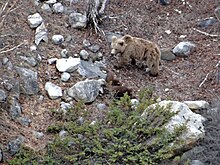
[(15, 144), (90, 70), (85, 91), (184, 49), (77, 20), (29, 81), (196, 105), (30, 60)]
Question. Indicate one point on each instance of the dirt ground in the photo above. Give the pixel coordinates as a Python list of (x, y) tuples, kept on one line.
[(140, 18)]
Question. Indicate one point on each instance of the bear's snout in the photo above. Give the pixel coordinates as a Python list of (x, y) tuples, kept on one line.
[(113, 52)]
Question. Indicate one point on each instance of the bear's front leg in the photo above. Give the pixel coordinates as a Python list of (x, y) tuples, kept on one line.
[(123, 61)]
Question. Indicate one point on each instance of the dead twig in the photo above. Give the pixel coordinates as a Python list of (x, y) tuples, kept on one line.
[(205, 33), (206, 77), (2, 51), (4, 12)]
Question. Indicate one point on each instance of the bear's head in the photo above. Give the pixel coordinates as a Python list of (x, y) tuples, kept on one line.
[(119, 45)]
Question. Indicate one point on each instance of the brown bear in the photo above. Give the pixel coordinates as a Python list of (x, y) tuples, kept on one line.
[(133, 48)]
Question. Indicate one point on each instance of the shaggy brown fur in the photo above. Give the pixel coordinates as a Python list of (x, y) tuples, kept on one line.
[(134, 48)]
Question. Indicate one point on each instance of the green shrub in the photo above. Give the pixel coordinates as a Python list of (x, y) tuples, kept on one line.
[(122, 137)]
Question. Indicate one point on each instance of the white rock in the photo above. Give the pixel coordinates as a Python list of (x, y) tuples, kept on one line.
[(53, 90), (64, 53), (67, 64), (194, 122), (41, 34), (35, 20), (65, 76), (58, 7), (51, 1), (52, 61), (33, 48), (84, 54), (195, 105), (57, 39), (46, 7), (168, 32)]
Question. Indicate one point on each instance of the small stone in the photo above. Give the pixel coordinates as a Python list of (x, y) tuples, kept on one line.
[(101, 107), (81, 120), (1, 155), (92, 123), (24, 121), (94, 48), (2, 95), (166, 89), (58, 39), (134, 102), (38, 135), (30, 60), (65, 106), (51, 1), (64, 53), (58, 8), (86, 43), (53, 90), (33, 48), (52, 61), (8, 86), (46, 7), (5, 60), (63, 133), (207, 22), (65, 76), (182, 36), (165, 2), (166, 54), (35, 20), (84, 55), (77, 20), (168, 32), (69, 38)]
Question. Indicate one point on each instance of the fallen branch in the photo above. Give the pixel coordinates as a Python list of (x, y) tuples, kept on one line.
[(10, 9), (205, 33), (5, 51), (206, 77)]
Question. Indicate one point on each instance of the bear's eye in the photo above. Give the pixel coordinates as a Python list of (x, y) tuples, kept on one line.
[(121, 43)]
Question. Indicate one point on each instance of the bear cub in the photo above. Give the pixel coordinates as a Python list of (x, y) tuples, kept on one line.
[(133, 48)]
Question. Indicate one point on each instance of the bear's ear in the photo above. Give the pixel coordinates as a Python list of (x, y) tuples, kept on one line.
[(114, 38), (127, 38)]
